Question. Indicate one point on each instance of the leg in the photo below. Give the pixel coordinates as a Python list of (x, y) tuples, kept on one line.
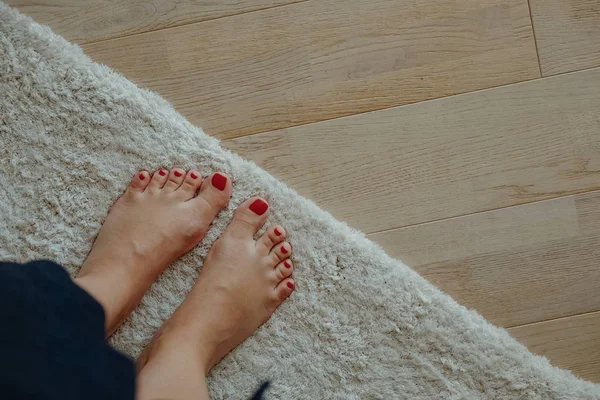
[(158, 218), (242, 282)]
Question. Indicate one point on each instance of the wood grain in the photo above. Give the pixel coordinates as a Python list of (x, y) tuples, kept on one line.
[(572, 343), (84, 21), (315, 60), (516, 265), (567, 33), (444, 158)]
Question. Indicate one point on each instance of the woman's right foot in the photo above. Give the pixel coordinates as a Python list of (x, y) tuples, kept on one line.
[(241, 284), (158, 218)]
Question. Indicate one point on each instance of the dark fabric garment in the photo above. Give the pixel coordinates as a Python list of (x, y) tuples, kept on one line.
[(52, 342)]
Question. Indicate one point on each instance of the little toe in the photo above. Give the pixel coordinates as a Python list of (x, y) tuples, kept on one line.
[(158, 180), (270, 238), (174, 180), (213, 196), (249, 217), (190, 185), (283, 270), (281, 251), (283, 290), (139, 182)]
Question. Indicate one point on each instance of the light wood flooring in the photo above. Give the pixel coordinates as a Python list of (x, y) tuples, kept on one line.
[(461, 135)]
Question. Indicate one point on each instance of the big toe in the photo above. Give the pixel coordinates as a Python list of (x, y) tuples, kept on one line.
[(249, 217), (213, 196)]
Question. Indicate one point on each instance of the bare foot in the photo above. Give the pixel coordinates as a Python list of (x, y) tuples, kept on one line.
[(241, 284), (157, 219)]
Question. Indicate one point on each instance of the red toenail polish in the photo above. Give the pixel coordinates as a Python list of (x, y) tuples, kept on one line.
[(162, 173), (177, 173), (287, 264), (259, 206), (219, 181), (284, 250), (142, 176), (194, 176), (290, 285), (277, 232)]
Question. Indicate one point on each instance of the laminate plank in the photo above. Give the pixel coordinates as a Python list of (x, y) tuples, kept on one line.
[(567, 34), (516, 265), (572, 343), (444, 158), (85, 21), (317, 60)]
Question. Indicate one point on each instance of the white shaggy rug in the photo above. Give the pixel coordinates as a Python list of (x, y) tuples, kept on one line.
[(360, 326)]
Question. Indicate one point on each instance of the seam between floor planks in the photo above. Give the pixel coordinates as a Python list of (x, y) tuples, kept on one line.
[(566, 317), (44, 13), (537, 50), (190, 23), (512, 265), (539, 78), (318, 68), (253, 146), (571, 343), (483, 211), (567, 34)]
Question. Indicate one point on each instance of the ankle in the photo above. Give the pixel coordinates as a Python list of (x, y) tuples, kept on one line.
[(104, 290), (180, 343)]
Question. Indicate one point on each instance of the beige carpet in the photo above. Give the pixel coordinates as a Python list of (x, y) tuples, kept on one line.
[(360, 326)]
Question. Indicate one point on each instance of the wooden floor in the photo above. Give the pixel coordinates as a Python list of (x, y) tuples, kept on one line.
[(461, 135)]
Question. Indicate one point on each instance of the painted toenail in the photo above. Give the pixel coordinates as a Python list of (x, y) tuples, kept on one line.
[(287, 264), (284, 250), (142, 176), (219, 181), (194, 176), (290, 285), (277, 232), (177, 173), (162, 173), (259, 207)]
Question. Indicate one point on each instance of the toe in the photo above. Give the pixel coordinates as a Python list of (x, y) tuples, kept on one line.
[(283, 290), (270, 238), (213, 196), (281, 251), (139, 181), (174, 180), (158, 180), (190, 185), (283, 270), (249, 217)]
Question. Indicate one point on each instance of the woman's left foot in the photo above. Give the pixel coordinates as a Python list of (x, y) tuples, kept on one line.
[(160, 217), (241, 284)]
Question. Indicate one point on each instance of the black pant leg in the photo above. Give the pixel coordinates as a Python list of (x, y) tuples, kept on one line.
[(52, 342)]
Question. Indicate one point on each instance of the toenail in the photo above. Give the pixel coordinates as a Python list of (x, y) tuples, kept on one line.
[(177, 173), (259, 206), (277, 232), (142, 176), (290, 285), (162, 173), (194, 176), (287, 264), (219, 181), (284, 250)]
